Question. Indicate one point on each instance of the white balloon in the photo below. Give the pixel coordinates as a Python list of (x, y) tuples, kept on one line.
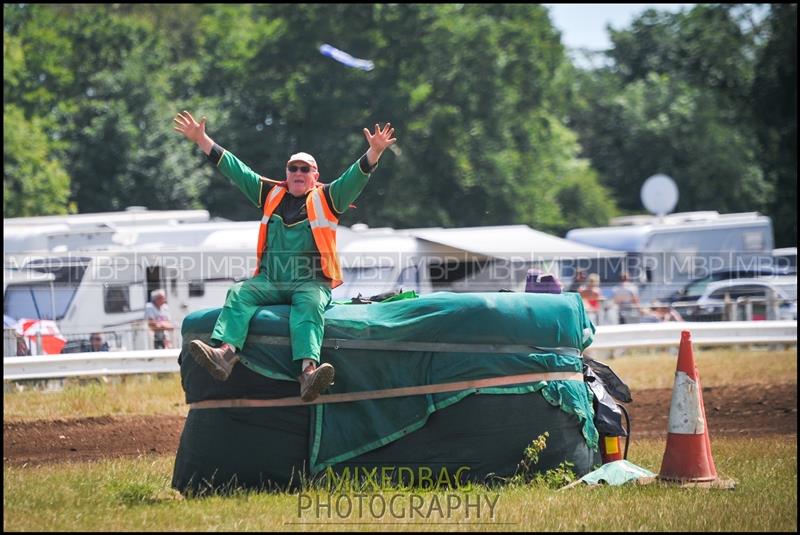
[(659, 194)]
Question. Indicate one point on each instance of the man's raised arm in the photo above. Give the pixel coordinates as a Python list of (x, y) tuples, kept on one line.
[(235, 170)]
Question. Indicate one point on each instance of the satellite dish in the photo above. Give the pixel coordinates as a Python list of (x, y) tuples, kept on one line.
[(659, 194)]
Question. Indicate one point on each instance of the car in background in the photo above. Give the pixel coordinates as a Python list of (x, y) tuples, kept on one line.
[(697, 287), (710, 304), (785, 258)]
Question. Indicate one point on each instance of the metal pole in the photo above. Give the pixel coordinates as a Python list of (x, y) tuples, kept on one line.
[(772, 305), (39, 338), (52, 302), (748, 309), (729, 313)]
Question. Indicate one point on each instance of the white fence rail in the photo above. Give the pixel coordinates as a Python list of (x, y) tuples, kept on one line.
[(716, 333), (90, 364), (606, 338)]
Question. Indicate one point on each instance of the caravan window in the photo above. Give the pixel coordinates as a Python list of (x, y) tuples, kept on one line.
[(409, 279), (116, 298), (447, 270), (37, 301), (40, 300), (197, 288), (67, 271), (736, 292)]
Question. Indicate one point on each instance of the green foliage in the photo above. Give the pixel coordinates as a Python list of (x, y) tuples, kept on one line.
[(663, 124), (706, 96), (34, 182), (131, 493), (557, 477), (530, 456), (474, 91), (494, 124), (527, 474), (774, 102)]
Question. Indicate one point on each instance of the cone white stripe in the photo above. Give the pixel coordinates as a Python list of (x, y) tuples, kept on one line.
[(685, 416)]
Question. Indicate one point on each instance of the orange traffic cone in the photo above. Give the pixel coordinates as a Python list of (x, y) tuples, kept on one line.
[(688, 455)]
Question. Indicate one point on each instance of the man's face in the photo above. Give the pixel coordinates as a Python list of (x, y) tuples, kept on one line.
[(159, 300), (300, 177), (97, 341)]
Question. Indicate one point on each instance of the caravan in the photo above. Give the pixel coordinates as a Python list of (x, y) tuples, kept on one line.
[(103, 268), (107, 291), (663, 254), (471, 259)]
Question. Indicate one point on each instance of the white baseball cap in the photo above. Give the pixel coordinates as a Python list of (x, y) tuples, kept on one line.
[(303, 157)]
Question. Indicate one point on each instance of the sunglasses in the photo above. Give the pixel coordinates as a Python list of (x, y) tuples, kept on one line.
[(301, 168)]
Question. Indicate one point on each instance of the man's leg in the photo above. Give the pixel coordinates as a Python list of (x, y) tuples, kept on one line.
[(242, 302), (306, 327)]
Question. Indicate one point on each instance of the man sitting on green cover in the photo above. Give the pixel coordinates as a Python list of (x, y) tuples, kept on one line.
[(297, 262)]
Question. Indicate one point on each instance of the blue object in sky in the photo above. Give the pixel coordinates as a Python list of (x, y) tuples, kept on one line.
[(347, 59)]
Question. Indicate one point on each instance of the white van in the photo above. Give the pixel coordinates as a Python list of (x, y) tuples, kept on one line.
[(663, 254), (749, 299)]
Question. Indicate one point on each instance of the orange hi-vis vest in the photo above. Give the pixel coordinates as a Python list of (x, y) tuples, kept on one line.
[(323, 228)]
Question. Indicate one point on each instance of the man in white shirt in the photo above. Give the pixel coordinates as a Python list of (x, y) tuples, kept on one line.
[(158, 319)]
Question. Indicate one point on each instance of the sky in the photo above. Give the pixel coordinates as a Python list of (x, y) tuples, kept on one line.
[(584, 25)]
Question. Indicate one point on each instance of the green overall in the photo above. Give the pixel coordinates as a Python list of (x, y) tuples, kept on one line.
[(287, 273)]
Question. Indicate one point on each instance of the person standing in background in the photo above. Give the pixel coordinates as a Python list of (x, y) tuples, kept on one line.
[(159, 320)]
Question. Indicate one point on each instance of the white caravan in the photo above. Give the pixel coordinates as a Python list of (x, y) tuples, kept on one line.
[(104, 267), (65, 233), (472, 259), (665, 253)]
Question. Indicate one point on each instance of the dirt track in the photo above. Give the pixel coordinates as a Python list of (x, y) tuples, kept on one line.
[(748, 410)]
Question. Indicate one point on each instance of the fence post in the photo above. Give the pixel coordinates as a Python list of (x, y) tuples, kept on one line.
[(772, 305), (748, 309), (729, 309), (9, 342)]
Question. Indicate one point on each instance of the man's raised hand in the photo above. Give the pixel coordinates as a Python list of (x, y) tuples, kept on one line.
[(381, 139), (191, 129)]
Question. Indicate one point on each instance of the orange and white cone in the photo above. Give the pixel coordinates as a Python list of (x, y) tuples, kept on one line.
[(688, 454)]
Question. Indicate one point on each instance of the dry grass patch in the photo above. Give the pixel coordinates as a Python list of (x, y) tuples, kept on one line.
[(643, 370), (114, 396)]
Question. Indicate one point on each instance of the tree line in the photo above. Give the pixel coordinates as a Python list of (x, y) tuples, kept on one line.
[(496, 123)]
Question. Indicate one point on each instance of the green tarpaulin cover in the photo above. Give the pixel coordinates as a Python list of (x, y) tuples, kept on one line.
[(554, 329)]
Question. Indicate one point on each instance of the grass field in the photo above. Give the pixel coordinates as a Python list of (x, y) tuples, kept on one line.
[(135, 494)]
